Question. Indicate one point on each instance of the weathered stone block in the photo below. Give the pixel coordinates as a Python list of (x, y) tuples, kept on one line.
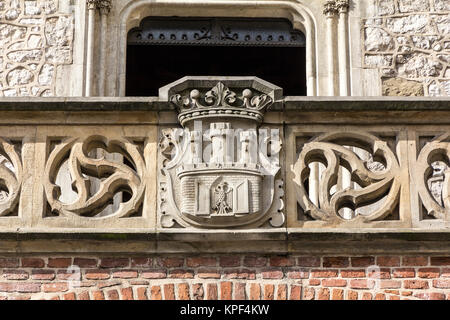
[(376, 39), (402, 87), (442, 5), (378, 60), (32, 8), (59, 31), (419, 65), (413, 5), (386, 7), (12, 14), (443, 24), (25, 55), (417, 23), (58, 55), (434, 90), (46, 74), (19, 76), (425, 42)]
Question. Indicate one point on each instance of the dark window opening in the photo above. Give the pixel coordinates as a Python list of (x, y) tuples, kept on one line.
[(160, 51)]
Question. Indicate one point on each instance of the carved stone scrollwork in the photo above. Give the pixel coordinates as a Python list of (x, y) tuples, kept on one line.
[(10, 177), (220, 170), (335, 150), (127, 177), (433, 174)]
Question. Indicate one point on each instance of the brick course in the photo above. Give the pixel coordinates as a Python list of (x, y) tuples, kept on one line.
[(228, 277)]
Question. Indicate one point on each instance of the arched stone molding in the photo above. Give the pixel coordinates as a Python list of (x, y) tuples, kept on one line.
[(298, 13)]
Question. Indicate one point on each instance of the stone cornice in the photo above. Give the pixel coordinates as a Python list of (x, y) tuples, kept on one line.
[(280, 242), (289, 103)]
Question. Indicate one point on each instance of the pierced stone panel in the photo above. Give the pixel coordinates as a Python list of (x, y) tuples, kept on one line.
[(341, 176), (11, 174), (432, 174), (113, 177), (221, 170)]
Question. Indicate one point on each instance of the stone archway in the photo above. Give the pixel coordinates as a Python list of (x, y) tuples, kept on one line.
[(163, 49), (300, 17)]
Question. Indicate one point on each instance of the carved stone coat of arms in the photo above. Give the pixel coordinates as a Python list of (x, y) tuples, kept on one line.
[(221, 168)]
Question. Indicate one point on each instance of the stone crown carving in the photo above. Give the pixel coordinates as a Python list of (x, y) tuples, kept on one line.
[(236, 97)]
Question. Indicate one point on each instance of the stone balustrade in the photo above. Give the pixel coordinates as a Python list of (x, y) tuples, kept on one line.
[(326, 167)]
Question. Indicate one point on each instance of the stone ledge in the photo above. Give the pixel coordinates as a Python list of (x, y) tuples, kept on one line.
[(290, 103), (279, 242), (318, 104)]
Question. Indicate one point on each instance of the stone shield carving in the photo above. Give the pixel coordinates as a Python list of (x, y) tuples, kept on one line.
[(10, 177), (220, 170)]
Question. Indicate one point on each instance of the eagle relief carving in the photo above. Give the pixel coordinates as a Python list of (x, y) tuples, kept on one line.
[(221, 169)]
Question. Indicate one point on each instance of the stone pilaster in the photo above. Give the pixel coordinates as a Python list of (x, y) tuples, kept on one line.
[(330, 11)]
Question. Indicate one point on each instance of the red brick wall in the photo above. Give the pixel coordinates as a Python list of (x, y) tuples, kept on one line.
[(225, 277)]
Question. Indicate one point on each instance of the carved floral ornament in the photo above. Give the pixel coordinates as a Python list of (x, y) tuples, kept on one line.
[(220, 170)]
